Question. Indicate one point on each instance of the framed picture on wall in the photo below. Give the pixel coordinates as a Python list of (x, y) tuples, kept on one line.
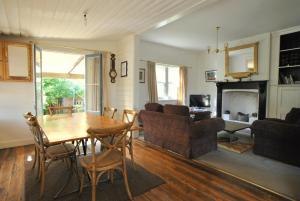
[(142, 75), (211, 76), (124, 69)]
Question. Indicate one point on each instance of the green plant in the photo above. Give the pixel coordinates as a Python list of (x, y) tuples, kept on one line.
[(56, 89)]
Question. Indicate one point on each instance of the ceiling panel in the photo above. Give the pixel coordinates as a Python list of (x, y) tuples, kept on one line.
[(106, 19), (237, 18)]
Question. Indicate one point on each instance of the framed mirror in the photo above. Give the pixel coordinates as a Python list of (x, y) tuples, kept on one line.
[(241, 61)]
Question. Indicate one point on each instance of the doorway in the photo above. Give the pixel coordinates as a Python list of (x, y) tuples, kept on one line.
[(67, 79)]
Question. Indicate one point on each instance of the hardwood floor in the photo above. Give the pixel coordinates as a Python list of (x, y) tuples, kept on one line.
[(184, 180)]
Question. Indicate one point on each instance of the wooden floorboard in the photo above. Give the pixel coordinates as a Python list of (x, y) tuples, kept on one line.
[(184, 179)]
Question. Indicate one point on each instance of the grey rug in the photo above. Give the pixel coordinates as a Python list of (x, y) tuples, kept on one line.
[(140, 181)]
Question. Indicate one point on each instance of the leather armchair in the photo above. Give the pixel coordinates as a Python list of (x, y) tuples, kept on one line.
[(279, 139)]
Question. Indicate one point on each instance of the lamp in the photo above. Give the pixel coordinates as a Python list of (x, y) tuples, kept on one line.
[(217, 50)]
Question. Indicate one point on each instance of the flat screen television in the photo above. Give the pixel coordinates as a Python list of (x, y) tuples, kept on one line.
[(199, 100)]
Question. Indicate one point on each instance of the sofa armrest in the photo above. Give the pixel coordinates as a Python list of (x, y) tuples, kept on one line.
[(276, 120), (276, 129), (206, 127)]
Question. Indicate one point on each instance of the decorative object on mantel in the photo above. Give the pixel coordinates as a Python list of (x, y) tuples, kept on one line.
[(241, 61), (142, 75), (216, 50), (112, 71), (124, 69), (211, 76), (226, 115)]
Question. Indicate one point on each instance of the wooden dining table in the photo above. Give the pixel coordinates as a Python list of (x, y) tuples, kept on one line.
[(62, 128)]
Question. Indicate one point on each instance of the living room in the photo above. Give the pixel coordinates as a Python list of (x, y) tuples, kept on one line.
[(189, 44)]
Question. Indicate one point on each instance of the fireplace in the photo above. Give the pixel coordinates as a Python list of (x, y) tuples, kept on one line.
[(248, 97)]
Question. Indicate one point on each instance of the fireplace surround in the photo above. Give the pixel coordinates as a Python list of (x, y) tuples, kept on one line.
[(260, 86)]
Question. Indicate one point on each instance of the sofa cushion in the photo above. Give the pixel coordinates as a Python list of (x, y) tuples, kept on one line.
[(155, 107), (293, 116), (181, 110)]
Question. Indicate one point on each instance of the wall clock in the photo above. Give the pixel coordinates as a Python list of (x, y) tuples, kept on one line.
[(112, 72)]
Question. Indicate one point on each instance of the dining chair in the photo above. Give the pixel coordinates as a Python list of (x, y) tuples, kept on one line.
[(48, 154), (129, 116), (112, 158), (109, 112), (58, 109), (36, 155)]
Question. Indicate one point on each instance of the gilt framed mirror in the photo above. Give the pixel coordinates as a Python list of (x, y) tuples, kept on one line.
[(241, 61)]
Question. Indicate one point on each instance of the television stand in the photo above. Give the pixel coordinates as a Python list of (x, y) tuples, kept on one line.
[(200, 113)]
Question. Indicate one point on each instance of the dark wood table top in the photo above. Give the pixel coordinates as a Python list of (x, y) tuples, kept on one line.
[(231, 126)]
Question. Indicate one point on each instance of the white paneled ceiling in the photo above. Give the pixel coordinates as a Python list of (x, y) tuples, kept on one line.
[(237, 18), (61, 62), (110, 19)]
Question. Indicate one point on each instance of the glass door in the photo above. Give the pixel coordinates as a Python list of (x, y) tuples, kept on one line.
[(38, 80), (93, 83)]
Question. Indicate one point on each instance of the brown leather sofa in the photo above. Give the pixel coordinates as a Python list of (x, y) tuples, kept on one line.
[(174, 130), (279, 139)]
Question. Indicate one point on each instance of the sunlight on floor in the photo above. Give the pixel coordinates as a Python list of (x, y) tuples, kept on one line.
[(29, 158)]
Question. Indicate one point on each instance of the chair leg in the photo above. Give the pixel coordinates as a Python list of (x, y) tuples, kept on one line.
[(126, 180), (84, 146), (35, 156), (94, 186), (40, 168), (42, 177), (111, 172), (131, 150)]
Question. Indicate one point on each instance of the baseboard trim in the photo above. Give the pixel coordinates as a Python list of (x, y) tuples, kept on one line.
[(15, 143), (206, 166)]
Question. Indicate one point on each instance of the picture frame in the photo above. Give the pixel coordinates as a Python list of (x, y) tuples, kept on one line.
[(211, 76), (124, 68), (142, 75)]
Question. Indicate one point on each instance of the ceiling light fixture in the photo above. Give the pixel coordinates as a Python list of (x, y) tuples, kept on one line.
[(85, 20), (217, 50)]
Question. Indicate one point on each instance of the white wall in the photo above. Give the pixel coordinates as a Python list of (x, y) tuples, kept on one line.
[(169, 55), (216, 62), (123, 93), (17, 98)]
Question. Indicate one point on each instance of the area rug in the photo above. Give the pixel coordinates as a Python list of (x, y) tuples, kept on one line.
[(140, 181), (237, 147)]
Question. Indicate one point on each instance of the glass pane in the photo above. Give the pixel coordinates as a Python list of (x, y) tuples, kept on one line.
[(173, 75), (172, 91), (161, 92), (93, 93), (160, 73)]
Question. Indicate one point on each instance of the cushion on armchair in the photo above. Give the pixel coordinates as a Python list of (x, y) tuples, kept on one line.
[(154, 107), (293, 116), (181, 110)]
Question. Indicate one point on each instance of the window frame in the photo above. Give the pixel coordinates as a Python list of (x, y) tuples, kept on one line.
[(166, 83)]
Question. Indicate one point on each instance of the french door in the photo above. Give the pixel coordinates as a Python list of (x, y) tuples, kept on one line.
[(93, 83), (38, 80)]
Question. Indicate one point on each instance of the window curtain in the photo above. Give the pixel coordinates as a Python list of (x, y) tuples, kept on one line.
[(152, 88), (182, 85)]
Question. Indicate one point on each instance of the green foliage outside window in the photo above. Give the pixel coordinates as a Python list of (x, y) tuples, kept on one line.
[(55, 90)]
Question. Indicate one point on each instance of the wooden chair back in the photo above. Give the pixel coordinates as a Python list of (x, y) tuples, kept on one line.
[(129, 116), (27, 115), (118, 134), (109, 112), (40, 139), (60, 109)]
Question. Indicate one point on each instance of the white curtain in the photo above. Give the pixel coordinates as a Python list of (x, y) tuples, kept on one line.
[(152, 88), (182, 85)]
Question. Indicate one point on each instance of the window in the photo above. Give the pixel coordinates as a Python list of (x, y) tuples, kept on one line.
[(167, 77)]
